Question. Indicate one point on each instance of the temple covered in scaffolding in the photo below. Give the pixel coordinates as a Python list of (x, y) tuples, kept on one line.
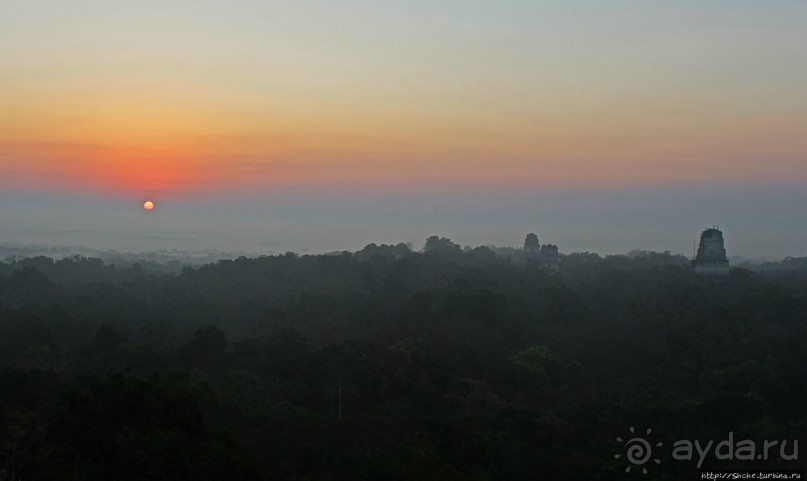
[(710, 258)]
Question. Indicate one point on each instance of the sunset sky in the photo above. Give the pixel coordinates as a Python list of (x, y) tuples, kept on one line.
[(599, 125)]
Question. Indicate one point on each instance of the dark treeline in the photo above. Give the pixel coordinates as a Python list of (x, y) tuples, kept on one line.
[(389, 364)]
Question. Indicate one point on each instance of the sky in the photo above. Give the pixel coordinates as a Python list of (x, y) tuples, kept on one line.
[(314, 125)]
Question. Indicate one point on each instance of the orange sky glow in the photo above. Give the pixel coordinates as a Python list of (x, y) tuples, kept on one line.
[(144, 100)]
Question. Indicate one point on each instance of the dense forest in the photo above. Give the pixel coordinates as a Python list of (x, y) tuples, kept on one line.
[(395, 364)]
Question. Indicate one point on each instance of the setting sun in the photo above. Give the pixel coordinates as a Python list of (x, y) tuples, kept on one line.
[(148, 205)]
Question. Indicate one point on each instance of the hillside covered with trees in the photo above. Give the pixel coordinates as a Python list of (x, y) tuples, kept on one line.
[(393, 364)]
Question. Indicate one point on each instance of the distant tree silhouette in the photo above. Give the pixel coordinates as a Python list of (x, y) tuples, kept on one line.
[(205, 350), (441, 246)]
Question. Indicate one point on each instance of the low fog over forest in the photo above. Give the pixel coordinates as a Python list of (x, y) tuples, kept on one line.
[(440, 363)]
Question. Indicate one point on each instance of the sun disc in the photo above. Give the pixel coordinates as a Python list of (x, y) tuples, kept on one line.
[(148, 205)]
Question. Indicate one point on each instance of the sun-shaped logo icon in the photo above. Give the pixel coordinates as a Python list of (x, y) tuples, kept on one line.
[(638, 450)]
